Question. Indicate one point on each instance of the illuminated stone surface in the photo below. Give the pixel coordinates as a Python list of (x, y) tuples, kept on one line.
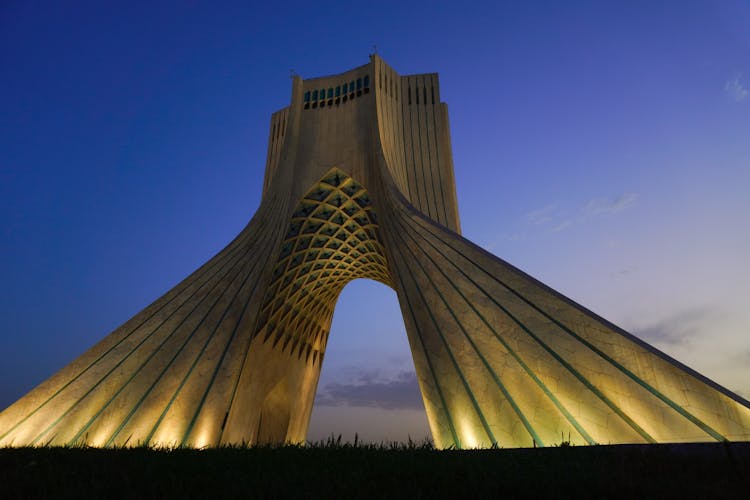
[(359, 184)]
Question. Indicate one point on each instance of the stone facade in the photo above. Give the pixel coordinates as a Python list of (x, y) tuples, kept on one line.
[(359, 184)]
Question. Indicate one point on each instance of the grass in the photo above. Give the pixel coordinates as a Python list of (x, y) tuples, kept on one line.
[(333, 469)]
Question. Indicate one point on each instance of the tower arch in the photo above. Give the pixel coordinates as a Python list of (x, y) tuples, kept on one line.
[(332, 238), (359, 184)]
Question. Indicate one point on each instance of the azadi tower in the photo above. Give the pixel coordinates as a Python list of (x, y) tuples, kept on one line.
[(359, 184)]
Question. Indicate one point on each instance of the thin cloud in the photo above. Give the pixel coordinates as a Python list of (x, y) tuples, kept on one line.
[(702, 337), (628, 270), (678, 329), (558, 220), (371, 391), (542, 215), (602, 206), (563, 225), (735, 89)]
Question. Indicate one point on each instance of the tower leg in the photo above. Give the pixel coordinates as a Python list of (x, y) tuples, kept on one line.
[(504, 360)]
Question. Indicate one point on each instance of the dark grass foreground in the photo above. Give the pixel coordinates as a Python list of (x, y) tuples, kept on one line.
[(334, 470)]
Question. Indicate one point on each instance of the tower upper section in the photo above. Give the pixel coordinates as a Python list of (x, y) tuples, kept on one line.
[(369, 121)]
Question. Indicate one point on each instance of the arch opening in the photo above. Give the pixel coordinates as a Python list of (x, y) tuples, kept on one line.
[(368, 385)]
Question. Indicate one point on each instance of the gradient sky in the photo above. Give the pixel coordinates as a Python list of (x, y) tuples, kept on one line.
[(602, 147)]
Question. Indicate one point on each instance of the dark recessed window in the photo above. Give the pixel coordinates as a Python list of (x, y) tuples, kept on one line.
[(322, 93), (367, 80), (424, 94), (432, 89), (351, 86), (315, 95), (359, 84), (416, 94), (338, 91), (307, 96), (330, 92), (409, 96)]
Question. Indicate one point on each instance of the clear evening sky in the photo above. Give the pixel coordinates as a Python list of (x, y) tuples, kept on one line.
[(603, 147)]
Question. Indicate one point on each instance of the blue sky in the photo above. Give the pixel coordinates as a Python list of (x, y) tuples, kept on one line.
[(602, 147)]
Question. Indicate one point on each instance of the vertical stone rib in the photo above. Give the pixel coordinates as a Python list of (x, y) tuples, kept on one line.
[(441, 413), (418, 255), (407, 230), (232, 274)]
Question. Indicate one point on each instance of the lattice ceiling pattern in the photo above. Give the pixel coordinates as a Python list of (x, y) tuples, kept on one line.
[(332, 239)]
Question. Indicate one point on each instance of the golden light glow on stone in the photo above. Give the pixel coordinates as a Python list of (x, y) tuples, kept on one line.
[(467, 433), (364, 188)]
